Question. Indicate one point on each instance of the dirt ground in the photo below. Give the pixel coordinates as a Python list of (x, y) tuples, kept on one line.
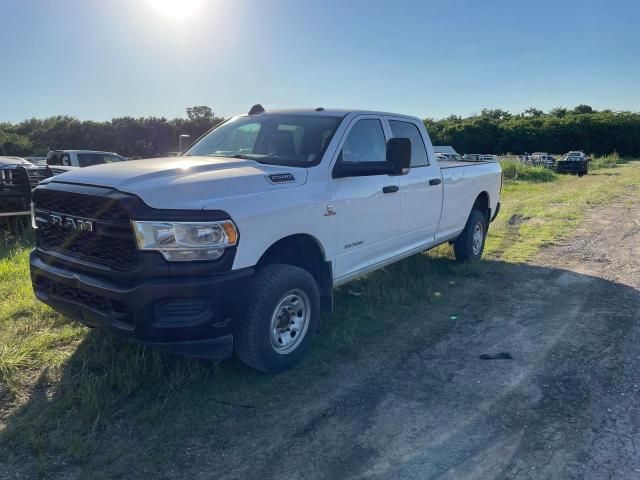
[(422, 404)]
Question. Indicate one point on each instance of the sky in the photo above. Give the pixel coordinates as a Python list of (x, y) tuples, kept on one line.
[(98, 59)]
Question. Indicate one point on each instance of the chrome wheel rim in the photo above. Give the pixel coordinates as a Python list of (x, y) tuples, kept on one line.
[(477, 238), (290, 321)]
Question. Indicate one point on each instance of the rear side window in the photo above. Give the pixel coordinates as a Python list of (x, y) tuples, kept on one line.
[(90, 159), (55, 158), (365, 143), (409, 130)]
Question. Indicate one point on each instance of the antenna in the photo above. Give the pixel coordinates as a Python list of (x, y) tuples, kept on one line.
[(256, 109), (320, 109)]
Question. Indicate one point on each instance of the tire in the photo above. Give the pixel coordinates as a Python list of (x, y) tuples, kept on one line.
[(264, 337), (468, 247)]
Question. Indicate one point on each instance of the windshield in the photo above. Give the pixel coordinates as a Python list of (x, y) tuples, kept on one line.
[(276, 139)]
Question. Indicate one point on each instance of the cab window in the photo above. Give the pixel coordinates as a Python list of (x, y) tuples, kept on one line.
[(55, 158), (365, 143), (90, 159), (409, 130)]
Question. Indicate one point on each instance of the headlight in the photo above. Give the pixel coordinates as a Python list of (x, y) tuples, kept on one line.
[(186, 241)]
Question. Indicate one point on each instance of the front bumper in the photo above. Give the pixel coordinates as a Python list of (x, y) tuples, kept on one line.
[(185, 314)]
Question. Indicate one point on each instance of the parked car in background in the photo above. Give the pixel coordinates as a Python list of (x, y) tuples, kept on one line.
[(238, 244), (542, 159), (37, 160), (62, 161), (473, 157), (449, 156), (17, 178), (576, 153), (447, 152), (490, 158), (574, 162)]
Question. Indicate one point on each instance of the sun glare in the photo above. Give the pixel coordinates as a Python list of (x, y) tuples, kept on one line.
[(176, 9)]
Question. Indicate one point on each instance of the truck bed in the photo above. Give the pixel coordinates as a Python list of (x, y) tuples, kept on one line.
[(462, 182), (457, 163)]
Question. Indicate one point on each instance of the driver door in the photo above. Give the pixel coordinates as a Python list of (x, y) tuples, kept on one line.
[(368, 207)]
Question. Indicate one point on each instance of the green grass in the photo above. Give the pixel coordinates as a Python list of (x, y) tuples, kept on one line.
[(534, 214), (66, 392)]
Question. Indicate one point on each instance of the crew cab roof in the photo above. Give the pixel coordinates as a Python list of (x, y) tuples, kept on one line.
[(330, 112)]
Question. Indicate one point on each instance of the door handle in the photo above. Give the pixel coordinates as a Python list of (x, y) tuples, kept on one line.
[(435, 181), (390, 189)]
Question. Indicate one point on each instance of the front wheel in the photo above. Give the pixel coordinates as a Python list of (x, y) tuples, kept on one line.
[(281, 313), (469, 246)]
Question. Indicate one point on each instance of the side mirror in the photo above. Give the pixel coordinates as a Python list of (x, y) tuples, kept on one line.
[(399, 155), (360, 169)]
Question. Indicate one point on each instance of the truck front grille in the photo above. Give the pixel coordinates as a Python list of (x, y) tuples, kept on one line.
[(81, 205), (37, 174), (15, 192), (118, 253), (111, 243), (13, 177)]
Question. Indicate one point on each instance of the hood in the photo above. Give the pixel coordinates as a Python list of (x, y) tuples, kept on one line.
[(10, 161), (187, 182)]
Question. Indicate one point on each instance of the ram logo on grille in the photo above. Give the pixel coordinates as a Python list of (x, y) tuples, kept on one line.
[(72, 223)]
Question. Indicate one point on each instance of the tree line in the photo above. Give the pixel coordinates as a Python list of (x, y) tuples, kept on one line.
[(141, 137), (492, 131), (560, 130)]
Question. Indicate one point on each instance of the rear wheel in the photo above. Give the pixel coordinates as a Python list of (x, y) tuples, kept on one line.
[(281, 313), (469, 246)]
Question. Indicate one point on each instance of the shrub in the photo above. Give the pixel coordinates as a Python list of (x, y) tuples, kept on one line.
[(611, 160), (514, 170)]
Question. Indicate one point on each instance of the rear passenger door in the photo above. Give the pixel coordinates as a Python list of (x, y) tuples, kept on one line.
[(421, 188)]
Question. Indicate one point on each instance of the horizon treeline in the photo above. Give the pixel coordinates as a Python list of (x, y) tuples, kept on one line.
[(493, 131), (496, 131), (140, 137)]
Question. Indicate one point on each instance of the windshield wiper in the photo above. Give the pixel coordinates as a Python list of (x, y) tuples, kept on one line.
[(243, 157)]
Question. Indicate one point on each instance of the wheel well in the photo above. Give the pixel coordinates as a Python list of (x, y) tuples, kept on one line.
[(482, 204), (303, 251)]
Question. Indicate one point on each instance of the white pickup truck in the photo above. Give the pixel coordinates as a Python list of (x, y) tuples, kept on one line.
[(238, 244), (61, 161)]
